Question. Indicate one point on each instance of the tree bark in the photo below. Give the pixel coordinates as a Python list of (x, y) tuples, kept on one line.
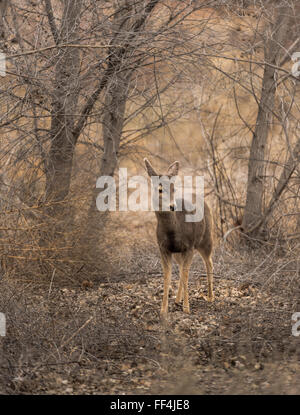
[(257, 164), (287, 172), (112, 126), (64, 104)]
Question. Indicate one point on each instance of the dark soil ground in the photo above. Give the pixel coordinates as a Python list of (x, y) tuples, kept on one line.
[(105, 337)]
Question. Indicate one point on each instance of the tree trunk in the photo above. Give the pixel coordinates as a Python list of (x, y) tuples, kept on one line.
[(287, 172), (113, 120), (3, 5), (112, 127), (257, 164), (127, 25), (64, 104)]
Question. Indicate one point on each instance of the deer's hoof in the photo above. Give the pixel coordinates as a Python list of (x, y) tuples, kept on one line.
[(209, 299), (186, 310), (163, 316)]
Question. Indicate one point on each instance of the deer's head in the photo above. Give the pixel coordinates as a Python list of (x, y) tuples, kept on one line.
[(164, 185)]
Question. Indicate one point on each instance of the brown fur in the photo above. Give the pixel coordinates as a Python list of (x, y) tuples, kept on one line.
[(177, 237)]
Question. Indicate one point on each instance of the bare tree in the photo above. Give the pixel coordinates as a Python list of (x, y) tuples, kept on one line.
[(80, 63), (261, 102), (274, 48), (87, 81), (65, 97)]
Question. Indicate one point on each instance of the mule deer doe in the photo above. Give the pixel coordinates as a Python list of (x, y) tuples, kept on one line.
[(181, 238)]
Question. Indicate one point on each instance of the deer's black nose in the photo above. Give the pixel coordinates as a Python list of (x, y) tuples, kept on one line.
[(172, 208)]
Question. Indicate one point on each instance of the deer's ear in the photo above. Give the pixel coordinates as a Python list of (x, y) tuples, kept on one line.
[(149, 168), (173, 169)]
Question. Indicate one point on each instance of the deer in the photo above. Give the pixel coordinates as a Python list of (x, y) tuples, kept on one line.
[(179, 238)]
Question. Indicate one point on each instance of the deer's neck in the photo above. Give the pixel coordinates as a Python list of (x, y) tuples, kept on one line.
[(166, 220)]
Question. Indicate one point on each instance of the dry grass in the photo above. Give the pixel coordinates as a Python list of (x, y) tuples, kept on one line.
[(69, 337)]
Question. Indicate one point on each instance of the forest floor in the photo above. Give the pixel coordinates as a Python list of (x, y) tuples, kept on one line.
[(105, 336)]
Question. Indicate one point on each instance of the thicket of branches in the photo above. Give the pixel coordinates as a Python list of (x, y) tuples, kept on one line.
[(90, 84)]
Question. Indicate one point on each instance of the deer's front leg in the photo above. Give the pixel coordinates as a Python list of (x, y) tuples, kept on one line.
[(184, 279), (179, 259), (209, 268), (166, 260)]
